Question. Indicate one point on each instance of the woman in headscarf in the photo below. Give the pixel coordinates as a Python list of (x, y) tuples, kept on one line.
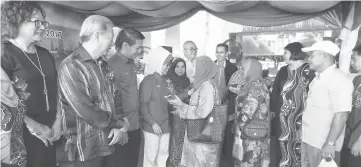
[(23, 24), (201, 104), (291, 93), (154, 112), (178, 83), (237, 80), (13, 152), (254, 102)]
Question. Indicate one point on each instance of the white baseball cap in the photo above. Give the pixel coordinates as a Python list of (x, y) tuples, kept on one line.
[(325, 46)]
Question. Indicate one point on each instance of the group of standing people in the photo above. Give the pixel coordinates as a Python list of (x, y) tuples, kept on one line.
[(315, 108), (93, 102)]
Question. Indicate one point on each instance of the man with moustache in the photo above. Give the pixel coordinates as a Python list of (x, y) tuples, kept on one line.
[(85, 99), (225, 71), (129, 45), (328, 105)]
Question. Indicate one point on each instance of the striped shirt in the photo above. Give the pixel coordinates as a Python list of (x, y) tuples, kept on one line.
[(87, 106)]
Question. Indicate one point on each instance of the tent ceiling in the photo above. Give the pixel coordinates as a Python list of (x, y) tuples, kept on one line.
[(174, 8), (155, 15)]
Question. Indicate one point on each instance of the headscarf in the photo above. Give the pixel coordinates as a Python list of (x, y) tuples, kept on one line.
[(155, 59), (8, 94), (206, 70), (181, 82), (252, 69)]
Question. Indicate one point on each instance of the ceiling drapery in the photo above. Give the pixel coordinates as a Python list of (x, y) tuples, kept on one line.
[(155, 15)]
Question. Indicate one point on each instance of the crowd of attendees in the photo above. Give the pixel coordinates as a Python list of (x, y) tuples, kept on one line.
[(184, 112)]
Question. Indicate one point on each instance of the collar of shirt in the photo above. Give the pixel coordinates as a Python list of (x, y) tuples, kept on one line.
[(84, 55), (326, 72), (124, 58), (224, 64)]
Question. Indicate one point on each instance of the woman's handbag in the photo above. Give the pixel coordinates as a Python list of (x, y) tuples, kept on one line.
[(211, 129), (256, 129)]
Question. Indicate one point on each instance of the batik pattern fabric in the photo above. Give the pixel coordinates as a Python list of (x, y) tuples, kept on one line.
[(254, 104), (238, 78), (178, 126), (200, 106), (353, 125), (294, 94), (13, 150)]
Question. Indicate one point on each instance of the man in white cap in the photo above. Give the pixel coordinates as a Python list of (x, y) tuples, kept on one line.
[(327, 107)]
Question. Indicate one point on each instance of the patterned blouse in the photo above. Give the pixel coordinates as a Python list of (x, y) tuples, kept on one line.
[(256, 101), (13, 150), (353, 125)]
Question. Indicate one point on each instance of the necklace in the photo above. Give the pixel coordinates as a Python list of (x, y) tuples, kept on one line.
[(40, 69)]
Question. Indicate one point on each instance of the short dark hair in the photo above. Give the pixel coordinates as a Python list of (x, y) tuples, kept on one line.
[(296, 52), (223, 45), (129, 36), (13, 13), (357, 49)]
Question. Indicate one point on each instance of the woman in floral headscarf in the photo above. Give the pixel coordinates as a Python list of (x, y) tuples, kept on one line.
[(200, 106), (254, 103)]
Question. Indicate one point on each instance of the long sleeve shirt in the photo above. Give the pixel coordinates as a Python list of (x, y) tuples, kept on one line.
[(153, 105), (86, 102), (126, 96)]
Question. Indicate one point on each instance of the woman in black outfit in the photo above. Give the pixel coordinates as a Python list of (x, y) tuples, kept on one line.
[(179, 83), (23, 24)]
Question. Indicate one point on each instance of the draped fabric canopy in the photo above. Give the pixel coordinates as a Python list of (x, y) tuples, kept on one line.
[(156, 15)]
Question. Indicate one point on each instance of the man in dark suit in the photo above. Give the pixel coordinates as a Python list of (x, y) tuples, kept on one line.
[(226, 69)]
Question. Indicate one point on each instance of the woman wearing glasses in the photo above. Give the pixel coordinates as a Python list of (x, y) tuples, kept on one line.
[(22, 25)]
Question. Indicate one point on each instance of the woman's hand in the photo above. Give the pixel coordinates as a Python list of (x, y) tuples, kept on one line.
[(57, 129), (42, 132), (356, 148), (190, 92), (177, 102), (235, 89), (157, 130), (176, 112)]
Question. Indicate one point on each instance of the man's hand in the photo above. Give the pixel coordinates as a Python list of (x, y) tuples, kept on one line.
[(328, 151), (356, 148), (157, 130), (116, 134)]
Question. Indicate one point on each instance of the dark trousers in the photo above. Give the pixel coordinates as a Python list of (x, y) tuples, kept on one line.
[(96, 162), (227, 159), (275, 152), (349, 160), (7, 165), (127, 155), (38, 155)]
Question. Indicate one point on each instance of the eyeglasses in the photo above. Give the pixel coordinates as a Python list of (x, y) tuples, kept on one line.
[(38, 23), (192, 49)]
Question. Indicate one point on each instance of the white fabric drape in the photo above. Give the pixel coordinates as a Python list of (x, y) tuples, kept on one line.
[(154, 60)]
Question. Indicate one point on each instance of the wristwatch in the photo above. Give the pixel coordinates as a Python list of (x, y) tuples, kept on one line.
[(331, 143)]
